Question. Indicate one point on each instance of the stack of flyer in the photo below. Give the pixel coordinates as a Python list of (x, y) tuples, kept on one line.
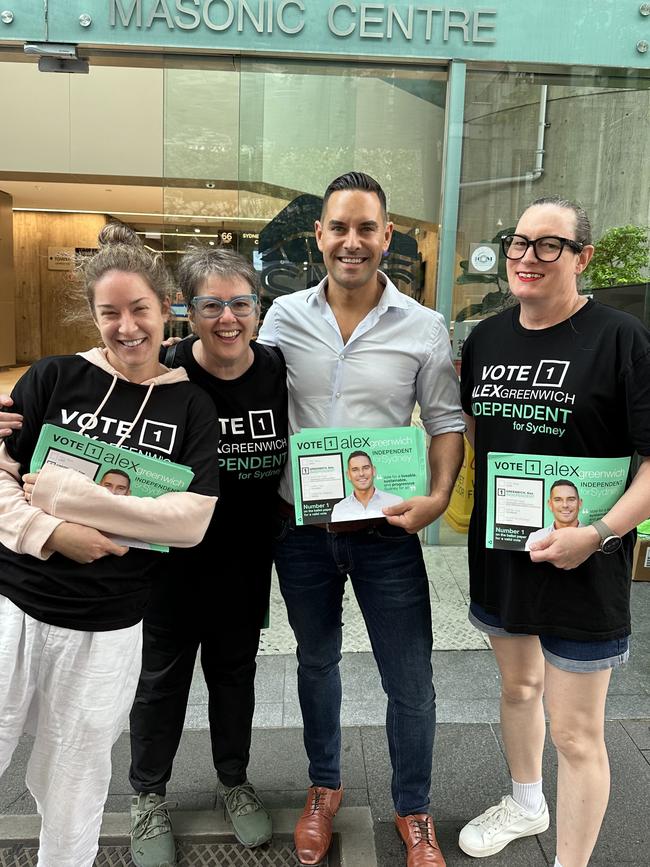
[(121, 471), (346, 474)]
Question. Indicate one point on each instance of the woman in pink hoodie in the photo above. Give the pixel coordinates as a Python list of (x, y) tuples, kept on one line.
[(71, 599)]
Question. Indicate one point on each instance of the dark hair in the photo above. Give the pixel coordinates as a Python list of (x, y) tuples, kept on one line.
[(355, 181), (112, 472), (120, 249), (583, 224), (558, 482), (359, 454), (200, 262)]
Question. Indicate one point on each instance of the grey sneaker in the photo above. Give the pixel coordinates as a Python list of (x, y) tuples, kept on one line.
[(152, 840), (491, 832), (250, 819)]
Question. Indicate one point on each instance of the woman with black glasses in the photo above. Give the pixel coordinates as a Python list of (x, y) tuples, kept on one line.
[(563, 376)]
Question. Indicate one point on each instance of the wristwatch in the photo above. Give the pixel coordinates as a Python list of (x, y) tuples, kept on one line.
[(609, 541)]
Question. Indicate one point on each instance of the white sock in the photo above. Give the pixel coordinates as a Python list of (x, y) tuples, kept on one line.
[(557, 863), (528, 795)]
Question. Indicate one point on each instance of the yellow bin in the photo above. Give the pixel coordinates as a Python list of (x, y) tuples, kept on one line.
[(462, 498)]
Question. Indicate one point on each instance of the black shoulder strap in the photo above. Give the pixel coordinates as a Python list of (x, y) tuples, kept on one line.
[(276, 354), (170, 355)]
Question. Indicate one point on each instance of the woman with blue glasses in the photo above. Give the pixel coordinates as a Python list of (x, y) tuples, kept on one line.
[(558, 613), (219, 595)]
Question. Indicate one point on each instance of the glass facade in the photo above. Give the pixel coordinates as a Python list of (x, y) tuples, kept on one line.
[(239, 150), (250, 149)]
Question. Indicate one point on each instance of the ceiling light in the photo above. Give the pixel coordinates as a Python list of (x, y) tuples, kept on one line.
[(51, 49), (223, 221)]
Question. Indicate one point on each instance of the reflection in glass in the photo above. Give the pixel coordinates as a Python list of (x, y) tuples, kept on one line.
[(249, 150), (583, 137)]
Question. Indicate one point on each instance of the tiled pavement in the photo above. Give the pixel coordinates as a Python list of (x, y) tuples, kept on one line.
[(447, 570), (469, 767)]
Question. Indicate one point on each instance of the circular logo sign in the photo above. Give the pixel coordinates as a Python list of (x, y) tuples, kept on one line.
[(483, 258)]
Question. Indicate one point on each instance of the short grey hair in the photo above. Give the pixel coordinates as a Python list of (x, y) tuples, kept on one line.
[(200, 262)]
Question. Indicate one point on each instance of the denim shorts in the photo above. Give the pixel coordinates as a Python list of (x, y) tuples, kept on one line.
[(563, 653)]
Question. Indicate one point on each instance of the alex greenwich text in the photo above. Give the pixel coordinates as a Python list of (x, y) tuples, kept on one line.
[(535, 398), (149, 475), (556, 468), (408, 21)]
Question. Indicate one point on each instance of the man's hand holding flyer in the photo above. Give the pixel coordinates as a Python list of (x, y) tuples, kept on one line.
[(353, 474)]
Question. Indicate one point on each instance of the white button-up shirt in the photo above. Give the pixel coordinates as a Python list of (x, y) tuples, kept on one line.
[(350, 509), (397, 355)]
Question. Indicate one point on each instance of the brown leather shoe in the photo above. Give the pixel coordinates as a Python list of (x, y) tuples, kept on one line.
[(313, 833), (419, 837)]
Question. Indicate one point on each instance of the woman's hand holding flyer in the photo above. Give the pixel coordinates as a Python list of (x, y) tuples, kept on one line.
[(565, 548)]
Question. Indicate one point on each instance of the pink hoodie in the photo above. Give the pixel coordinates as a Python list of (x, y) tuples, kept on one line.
[(177, 519)]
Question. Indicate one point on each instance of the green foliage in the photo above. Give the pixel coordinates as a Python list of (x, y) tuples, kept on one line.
[(620, 257)]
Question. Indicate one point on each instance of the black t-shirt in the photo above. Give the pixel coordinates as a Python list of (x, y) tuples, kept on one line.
[(178, 424), (590, 378), (227, 578)]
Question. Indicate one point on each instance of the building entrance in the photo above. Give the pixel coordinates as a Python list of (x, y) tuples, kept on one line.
[(229, 151)]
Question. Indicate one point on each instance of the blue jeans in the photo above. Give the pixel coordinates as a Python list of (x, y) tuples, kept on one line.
[(390, 582)]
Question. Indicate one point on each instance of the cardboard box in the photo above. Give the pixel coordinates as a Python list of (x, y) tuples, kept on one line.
[(641, 562)]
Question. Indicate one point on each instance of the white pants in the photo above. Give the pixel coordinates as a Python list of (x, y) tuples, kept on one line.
[(73, 691)]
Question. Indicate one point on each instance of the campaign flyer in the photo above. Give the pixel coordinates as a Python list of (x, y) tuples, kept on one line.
[(350, 474), (120, 471), (529, 496)]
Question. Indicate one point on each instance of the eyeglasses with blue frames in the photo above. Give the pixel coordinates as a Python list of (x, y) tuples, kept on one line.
[(546, 249), (210, 307)]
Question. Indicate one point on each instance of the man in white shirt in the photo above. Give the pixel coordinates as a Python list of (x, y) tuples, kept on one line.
[(366, 500), (359, 353), (565, 504)]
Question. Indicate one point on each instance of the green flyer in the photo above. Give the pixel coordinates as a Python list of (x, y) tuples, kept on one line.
[(530, 496), (121, 471), (350, 474)]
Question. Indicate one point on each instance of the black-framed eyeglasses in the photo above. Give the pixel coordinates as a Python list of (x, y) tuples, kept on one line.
[(210, 307), (546, 249)]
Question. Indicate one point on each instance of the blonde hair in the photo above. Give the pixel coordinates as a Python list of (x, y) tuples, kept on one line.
[(120, 249)]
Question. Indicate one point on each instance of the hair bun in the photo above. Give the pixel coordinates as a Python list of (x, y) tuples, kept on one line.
[(118, 233)]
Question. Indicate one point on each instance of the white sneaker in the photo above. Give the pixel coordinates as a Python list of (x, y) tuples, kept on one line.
[(491, 832)]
